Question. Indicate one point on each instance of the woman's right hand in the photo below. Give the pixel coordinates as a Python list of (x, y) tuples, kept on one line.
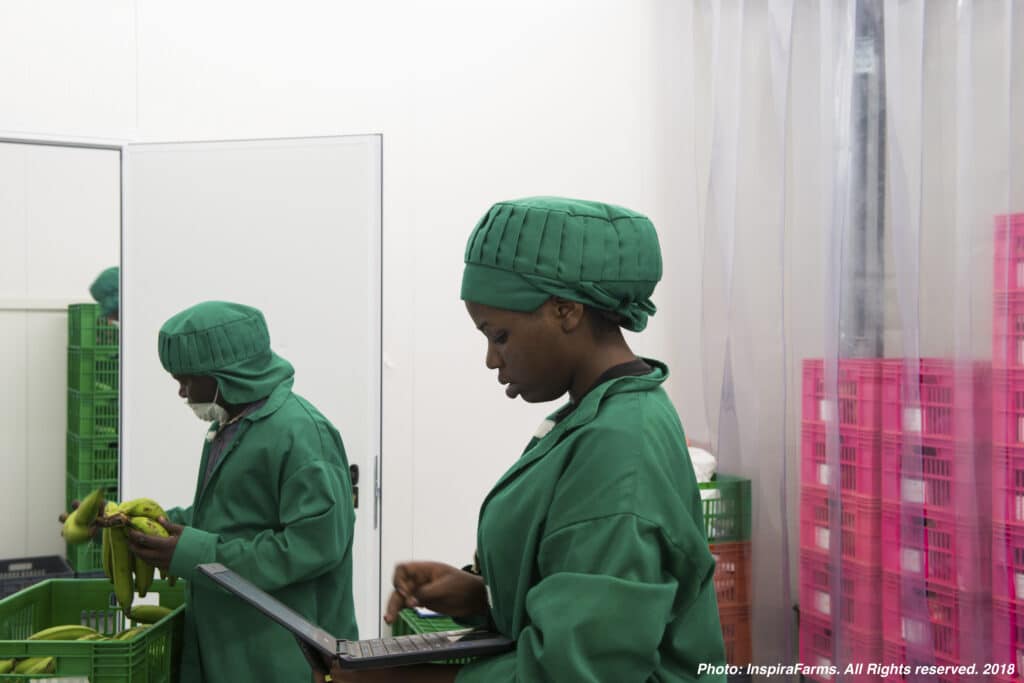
[(437, 586)]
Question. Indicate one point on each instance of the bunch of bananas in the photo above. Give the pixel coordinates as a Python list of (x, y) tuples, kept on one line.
[(48, 665), (127, 572)]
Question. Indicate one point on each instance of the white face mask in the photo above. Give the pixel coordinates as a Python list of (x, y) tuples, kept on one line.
[(210, 412)]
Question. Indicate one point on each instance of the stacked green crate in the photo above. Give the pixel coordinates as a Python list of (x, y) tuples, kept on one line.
[(93, 384)]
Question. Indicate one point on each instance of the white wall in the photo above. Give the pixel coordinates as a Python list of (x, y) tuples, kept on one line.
[(60, 218), (476, 103)]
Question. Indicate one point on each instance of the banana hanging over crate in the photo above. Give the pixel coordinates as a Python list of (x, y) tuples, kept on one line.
[(130, 574)]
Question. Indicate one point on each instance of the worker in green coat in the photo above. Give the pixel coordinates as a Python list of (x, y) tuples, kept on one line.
[(591, 551), (273, 501)]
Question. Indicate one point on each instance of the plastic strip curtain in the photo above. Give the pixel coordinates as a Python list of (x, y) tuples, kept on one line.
[(743, 298)]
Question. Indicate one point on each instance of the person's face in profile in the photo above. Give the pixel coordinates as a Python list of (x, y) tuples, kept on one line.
[(530, 351)]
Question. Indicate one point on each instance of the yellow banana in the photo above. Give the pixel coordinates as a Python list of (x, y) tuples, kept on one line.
[(149, 614), (148, 526), (62, 632), (76, 526), (130, 633), (143, 576), (6, 666), (142, 507), (36, 665), (122, 566)]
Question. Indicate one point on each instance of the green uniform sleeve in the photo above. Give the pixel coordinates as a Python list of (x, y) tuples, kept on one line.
[(180, 515), (314, 511), (600, 609)]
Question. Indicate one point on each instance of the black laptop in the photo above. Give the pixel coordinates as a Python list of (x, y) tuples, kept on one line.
[(377, 653)]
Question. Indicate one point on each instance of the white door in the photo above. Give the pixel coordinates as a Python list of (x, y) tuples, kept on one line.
[(292, 227)]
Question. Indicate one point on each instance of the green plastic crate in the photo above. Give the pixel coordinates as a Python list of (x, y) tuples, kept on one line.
[(77, 489), (92, 458), (150, 657), (88, 329), (86, 557), (727, 508), (93, 371), (92, 414), (409, 622)]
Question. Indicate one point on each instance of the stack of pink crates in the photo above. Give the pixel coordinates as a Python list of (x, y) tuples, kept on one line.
[(1008, 446), (857, 415), (935, 550), (905, 465)]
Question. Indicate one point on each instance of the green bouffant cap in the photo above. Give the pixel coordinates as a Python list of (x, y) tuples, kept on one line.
[(104, 290), (227, 341), (523, 252)]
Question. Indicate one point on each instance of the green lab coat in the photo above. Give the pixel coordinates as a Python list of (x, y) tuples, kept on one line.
[(593, 549), (277, 510)]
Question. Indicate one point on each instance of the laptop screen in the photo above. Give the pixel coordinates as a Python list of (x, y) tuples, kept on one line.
[(273, 608)]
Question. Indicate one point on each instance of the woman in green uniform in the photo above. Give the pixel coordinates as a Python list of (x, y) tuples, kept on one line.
[(591, 552), (273, 501)]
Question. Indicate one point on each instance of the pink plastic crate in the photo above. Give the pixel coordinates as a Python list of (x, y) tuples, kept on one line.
[(1008, 563), (939, 626), (860, 526), (860, 453), (859, 605), (943, 407), (1008, 485), (898, 653), (858, 389), (1008, 639), (818, 644), (1008, 330), (1008, 407), (936, 548), (938, 474), (1008, 252)]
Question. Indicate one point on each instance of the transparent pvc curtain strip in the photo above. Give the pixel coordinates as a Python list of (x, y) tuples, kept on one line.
[(836, 41), (904, 54), (780, 46), (972, 483), (1006, 196)]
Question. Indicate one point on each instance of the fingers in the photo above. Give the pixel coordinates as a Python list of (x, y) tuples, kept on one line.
[(172, 528), (395, 605)]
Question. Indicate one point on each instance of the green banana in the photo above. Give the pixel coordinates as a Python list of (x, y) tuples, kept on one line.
[(36, 665), (76, 526), (171, 579), (142, 507), (143, 576), (130, 633), (111, 509), (93, 636), (122, 566), (149, 614), (6, 666), (62, 632)]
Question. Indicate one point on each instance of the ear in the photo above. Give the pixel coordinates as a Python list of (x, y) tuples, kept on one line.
[(568, 313)]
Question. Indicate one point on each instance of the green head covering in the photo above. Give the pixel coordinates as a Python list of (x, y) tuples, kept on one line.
[(227, 341), (105, 290), (523, 252)]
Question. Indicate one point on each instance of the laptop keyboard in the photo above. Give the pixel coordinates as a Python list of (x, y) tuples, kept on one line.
[(380, 647)]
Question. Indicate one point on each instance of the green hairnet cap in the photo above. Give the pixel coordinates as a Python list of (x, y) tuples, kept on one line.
[(104, 290), (523, 252), (227, 341)]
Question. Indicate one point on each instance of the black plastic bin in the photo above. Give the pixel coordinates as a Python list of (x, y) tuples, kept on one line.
[(24, 572)]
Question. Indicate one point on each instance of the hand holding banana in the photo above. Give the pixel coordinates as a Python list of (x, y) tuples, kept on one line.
[(137, 537)]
